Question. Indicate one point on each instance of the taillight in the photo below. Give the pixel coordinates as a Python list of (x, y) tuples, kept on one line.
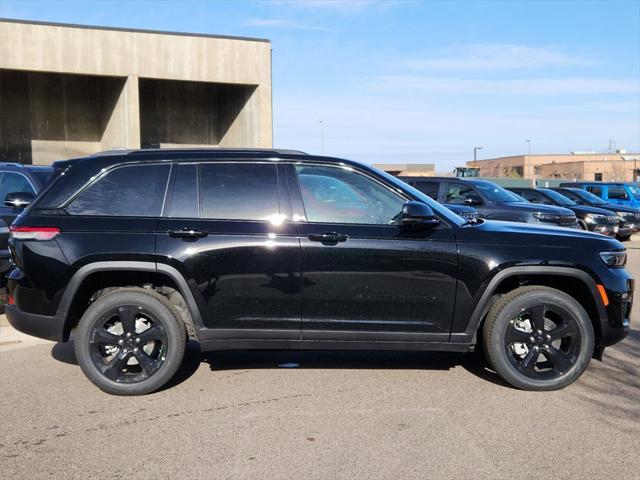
[(34, 233)]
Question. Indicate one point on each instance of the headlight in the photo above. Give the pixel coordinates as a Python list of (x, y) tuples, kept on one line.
[(546, 217), (595, 218), (614, 259)]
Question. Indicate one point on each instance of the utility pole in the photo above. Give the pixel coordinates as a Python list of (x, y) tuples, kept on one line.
[(529, 146), (475, 155), (321, 123)]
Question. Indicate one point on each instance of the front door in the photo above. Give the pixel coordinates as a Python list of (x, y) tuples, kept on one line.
[(364, 276), (226, 229)]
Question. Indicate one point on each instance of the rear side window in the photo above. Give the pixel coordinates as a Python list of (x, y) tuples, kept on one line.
[(12, 183), (131, 191), (618, 193), (428, 188), (239, 191)]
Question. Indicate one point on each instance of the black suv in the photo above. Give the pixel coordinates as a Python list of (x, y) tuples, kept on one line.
[(491, 200), (628, 217), (590, 218), (261, 249)]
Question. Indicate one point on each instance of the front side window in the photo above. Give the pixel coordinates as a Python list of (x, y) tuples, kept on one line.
[(595, 190), (341, 195), (239, 191), (127, 191), (618, 193), (457, 193), (13, 183)]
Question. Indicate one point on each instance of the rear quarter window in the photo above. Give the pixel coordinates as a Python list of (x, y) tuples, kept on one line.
[(130, 190)]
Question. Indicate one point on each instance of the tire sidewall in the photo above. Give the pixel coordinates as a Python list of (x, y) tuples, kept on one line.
[(163, 313), (497, 350)]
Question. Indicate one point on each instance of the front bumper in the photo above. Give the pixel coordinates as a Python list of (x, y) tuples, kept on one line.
[(617, 324), (41, 326), (608, 229)]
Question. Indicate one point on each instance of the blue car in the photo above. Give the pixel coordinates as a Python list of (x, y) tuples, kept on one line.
[(616, 193)]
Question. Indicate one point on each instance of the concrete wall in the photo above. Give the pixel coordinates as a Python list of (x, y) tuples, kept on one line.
[(70, 90)]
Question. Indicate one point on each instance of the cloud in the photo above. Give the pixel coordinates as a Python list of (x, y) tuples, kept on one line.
[(496, 56), (521, 86), (280, 23)]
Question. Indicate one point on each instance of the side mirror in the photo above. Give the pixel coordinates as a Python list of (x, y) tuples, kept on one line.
[(418, 215), (473, 200), (19, 199)]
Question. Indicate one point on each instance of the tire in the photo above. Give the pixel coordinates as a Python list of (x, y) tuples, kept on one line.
[(112, 332), (624, 238), (539, 359), (4, 299)]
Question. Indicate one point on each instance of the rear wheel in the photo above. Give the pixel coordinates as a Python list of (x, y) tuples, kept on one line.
[(130, 342), (538, 338)]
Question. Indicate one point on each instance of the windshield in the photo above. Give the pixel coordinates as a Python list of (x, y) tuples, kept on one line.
[(588, 196), (635, 190), (559, 199), (495, 193)]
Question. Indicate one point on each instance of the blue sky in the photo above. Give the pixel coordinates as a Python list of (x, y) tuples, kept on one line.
[(418, 81)]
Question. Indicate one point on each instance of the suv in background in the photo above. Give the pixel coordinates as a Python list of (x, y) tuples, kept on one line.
[(263, 249), (492, 201), (616, 193), (464, 211), (628, 217), (590, 218), (21, 183)]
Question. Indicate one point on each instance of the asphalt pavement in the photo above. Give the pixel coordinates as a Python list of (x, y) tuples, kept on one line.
[(318, 415)]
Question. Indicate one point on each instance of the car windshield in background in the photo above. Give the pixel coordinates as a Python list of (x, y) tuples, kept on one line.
[(45, 176), (589, 197), (495, 193), (635, 190), (559, 198)]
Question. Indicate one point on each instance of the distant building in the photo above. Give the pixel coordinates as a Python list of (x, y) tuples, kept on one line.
[(619, 166), (408, 169), (72, 90)]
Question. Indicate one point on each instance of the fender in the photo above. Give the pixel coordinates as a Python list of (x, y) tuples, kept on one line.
[(79, 277), (484, 304)]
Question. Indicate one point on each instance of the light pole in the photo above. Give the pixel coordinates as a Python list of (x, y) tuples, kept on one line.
[(475, 155), (320, 122), (529, 144)]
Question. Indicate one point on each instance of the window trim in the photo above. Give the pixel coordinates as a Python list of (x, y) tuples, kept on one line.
[(352, 168), (106, 171)]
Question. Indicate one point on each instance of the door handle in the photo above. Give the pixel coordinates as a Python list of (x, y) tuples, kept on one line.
[(187, 233), (329, 237)]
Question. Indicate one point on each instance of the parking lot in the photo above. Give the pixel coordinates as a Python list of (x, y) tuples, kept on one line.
[(318, 415)]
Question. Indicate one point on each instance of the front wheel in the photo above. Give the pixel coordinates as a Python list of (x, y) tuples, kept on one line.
[(130, 342), (538, 338)]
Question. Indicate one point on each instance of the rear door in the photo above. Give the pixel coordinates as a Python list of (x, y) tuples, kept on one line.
[(227, 229)]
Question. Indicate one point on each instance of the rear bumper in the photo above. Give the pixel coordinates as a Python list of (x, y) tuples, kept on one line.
[(41, 326)]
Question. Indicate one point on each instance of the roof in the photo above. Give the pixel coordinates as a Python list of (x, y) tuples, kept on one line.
[(135, 30)]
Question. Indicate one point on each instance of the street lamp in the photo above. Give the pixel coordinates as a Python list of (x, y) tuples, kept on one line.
[(529, 143), (475, 155), (320, 122)]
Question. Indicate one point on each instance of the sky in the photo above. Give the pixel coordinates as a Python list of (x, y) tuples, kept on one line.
[(420, 81)]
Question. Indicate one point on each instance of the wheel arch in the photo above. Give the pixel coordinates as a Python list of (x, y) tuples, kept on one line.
[(95, 276), (573, 281)]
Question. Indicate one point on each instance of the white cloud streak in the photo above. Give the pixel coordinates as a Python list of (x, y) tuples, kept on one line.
[(281, 23)]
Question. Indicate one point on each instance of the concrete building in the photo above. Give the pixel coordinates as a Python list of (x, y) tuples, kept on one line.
[(619, 166), (408, 169), (71, 90)]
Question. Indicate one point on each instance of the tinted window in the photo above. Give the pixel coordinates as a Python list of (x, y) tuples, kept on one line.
[(184, 199), (44, 176), (337, 195), (559, 199), (458, 192), (239, 191), (430, 188), (595, 190), (584, 195), (136, 191), (495, 193), (533, 197), (618, 193), (13, 182)]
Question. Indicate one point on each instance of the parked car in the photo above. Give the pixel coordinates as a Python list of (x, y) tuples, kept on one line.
[(628, 217), (617, 193), (492, 201), (19, 185), (5, 264), (263, 249), (589, 218)]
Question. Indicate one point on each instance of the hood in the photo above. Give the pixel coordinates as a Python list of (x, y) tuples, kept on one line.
[(536, 207), (619, 208), (513, 233), (584, 210)]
